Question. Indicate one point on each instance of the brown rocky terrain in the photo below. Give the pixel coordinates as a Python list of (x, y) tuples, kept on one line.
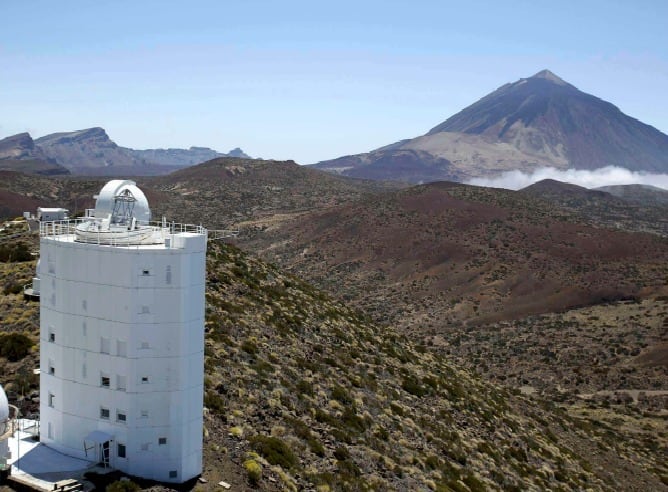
[(445, 253), (526, 292), (304, 393), (631, 208)]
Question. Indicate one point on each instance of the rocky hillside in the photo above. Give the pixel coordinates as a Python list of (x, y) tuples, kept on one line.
[(536, 121), (639, 194), (634, 208), (304, 393), (252, 194), (445, 253)]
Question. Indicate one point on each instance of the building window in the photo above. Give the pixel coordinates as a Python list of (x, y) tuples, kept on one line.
[(52, 336), (84, 304), (144, 414), (50, 431), (104, 381), (173, 474), (51, 400), (144, 379), (145, 446), (145, 310), (104, 413), (83, 371), (104, 345), (121, 450), (121, 348), (84, 329), (146, 271), (52, 369), (168, 275), (121, 383), (120, 416), (144, 345), (162, 441)]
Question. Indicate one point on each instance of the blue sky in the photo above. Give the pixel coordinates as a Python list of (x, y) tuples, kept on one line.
[(310, 80)]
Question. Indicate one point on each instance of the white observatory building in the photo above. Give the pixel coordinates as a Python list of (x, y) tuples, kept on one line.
[(122, 337), (8, 416)]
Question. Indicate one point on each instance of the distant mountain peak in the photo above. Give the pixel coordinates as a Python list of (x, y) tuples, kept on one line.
[(547, 75)]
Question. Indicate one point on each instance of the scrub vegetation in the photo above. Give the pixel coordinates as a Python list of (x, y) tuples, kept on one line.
[(327, 399)]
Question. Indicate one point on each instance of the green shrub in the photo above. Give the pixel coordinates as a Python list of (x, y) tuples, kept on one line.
[(250, 346), (253, 471), (274, 451), (413, 386), (15, 346), (214, 403), (15, 252), (341, 394), (123, 486), (341, 453)]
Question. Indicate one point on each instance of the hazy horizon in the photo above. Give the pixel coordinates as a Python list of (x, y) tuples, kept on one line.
[(309, 82)]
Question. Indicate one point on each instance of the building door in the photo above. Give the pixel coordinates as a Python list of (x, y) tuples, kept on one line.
[(105, 454)]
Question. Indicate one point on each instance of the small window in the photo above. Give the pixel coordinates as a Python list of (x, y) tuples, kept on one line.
[(121, 348), (145, 310), (144, 414), (105, 381), (121, 450), (162, 441), (121, 417), (104, 345), (104, 413), (146, 272), (84, 329), (84, 304), (50, 431), (121, 383), (144, 379), (52, 336), (173, 474), (168, 275), (144, 345), (83, 371), (51, 399), (52, 369), (145, 446)]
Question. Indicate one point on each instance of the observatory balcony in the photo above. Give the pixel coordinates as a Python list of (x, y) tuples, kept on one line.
[(95, 231)]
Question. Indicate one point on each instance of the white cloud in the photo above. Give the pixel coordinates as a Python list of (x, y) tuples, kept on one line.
[(605, 176)]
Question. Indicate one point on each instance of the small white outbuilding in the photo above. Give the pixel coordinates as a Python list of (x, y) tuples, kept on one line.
[(48, 214)]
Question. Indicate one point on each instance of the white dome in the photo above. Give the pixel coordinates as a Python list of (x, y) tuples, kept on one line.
[(104, 205), (4, 407)]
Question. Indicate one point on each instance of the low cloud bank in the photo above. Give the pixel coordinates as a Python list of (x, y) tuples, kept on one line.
[(605, 176)]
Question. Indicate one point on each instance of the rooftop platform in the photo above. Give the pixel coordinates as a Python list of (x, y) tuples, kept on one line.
[(150, 235), (39, 467)]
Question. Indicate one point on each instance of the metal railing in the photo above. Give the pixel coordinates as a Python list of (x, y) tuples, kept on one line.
[(144, 232)]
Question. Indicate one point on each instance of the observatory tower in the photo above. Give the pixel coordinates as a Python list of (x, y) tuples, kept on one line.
[(122, 337)]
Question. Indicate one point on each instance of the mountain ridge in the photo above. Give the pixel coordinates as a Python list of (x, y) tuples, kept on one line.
[(538, 121), (91, 151)]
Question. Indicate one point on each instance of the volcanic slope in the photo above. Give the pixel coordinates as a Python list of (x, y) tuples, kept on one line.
[(317, 395), (534, 122), (633, 208), (445, 253), (21, 192), (253, 194)]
